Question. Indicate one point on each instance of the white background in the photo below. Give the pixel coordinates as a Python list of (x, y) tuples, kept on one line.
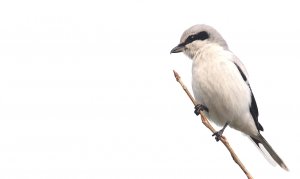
[(87, 90)]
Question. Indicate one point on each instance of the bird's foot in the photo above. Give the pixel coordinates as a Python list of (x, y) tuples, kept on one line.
[(219, 133), (199, 108)]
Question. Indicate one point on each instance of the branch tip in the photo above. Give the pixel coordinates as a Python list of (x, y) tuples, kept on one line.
[(176, 75)]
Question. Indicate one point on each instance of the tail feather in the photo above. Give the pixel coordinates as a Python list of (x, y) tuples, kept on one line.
[(261, 140)]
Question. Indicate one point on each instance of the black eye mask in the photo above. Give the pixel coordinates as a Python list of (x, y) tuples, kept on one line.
[(203, 35)]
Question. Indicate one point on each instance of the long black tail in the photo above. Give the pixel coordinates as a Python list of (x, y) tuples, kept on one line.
[(261, 140)]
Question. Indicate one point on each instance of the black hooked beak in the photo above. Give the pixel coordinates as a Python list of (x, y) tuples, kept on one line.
[(178, 48)]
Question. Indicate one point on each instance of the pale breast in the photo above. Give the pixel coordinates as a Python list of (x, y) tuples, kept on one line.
[(218, 85)]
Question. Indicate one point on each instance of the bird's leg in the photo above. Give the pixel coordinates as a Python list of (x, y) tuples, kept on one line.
[(200, 107), (219, 133)]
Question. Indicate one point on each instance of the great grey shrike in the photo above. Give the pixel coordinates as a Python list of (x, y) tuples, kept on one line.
[(221, 87)]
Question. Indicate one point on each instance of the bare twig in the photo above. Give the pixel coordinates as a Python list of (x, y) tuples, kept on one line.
[(208, 125)]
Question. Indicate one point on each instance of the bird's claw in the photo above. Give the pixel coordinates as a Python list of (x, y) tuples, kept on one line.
[(199, 108), (218, 135)]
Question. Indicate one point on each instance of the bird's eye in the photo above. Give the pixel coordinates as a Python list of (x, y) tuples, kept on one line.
[(191, 38)]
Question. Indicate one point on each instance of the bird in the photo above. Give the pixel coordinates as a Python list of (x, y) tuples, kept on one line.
[(221, 86)]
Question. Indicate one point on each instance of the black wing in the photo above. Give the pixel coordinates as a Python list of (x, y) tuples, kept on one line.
[(253, 106)]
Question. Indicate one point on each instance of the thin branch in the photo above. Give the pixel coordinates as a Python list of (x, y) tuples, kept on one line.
[(208, 125)]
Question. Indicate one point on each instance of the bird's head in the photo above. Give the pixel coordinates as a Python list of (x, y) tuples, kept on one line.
[(196, 37)]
